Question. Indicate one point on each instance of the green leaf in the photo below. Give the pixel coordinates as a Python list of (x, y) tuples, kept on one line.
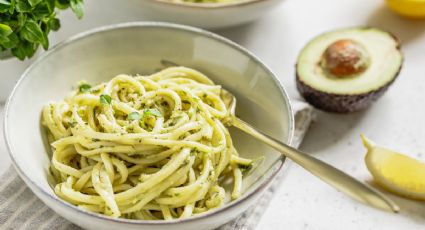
[(62, 4), (12, 6), (134, 116), (13, 41), (84, 88), (30, 49), (105, 99), (19, 53), (54, 24), (5, 6), (50, 5), (4, 40), (4, 2), (152, 112), (45, 41), (24, 49), (32, 32), (23, 6), (22, 18), (77, 7), (5, 30), (41, 12), (34, 2)]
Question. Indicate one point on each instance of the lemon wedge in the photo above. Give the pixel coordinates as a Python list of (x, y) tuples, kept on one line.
[(395, 172), (408, 8)]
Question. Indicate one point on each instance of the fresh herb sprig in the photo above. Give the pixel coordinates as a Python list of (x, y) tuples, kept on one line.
[(135, 116), (105, 99), (84, 88), (25, 24)]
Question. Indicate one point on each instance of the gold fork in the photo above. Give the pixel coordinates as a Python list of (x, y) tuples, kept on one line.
[(331, 175)]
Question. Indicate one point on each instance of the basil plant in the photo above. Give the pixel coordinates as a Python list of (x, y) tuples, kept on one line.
[(25, 24)]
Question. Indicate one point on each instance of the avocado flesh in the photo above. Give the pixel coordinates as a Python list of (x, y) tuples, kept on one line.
[(355, 92)]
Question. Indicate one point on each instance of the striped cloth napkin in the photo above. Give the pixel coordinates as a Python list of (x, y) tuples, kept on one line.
[(21, 209)]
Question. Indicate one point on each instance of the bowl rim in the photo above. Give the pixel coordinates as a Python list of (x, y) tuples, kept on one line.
[(34, 186), (207, 6)]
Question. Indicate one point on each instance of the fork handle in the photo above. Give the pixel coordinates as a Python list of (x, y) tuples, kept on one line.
[(331, 175)]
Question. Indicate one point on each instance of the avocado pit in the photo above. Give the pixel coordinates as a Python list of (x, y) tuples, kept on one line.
[(345, 57)]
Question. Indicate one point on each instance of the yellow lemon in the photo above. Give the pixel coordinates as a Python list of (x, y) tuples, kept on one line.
[(408, 8), (395, 172)]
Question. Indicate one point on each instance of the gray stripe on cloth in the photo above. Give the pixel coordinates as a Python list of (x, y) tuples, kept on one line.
[(26, 214), (23, 196), (10, 183), (43, 218)]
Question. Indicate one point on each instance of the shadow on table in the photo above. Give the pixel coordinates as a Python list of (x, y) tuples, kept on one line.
[(260, 30), (329, 128), (411, 209), (238, 34), (404, 28), (250, 34)]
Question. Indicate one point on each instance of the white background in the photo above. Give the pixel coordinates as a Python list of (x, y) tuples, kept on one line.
[(396, 120)]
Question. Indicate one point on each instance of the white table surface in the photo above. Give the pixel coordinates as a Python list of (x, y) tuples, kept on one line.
[(396, 120)]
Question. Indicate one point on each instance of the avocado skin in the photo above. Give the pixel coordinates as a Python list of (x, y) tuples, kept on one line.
[(340, 103)]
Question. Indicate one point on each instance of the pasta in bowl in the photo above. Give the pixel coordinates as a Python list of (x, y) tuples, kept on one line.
[(144, 147), (143, 48)]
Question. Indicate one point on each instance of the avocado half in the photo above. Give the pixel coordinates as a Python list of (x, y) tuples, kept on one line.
[(346, 70)]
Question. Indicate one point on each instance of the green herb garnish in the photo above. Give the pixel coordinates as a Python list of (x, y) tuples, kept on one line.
[(249, 167), (152, 112), (26, 24), (244, 167), (84, 88), (105, 99), (134, 116)]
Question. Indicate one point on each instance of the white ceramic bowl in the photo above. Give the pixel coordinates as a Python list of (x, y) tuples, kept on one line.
[(132, 48), (205, 15)]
